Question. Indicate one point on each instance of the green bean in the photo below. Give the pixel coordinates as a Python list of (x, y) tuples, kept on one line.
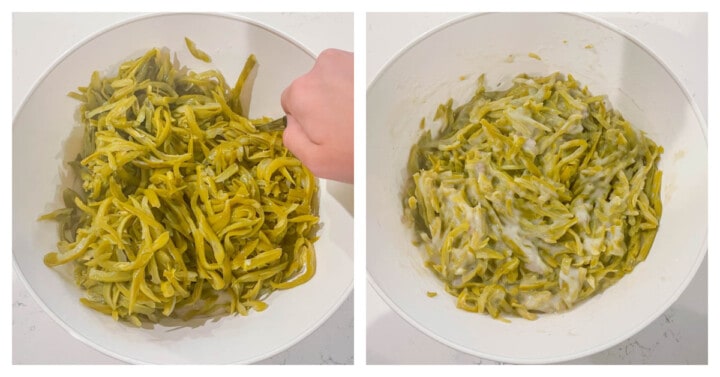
[(197, 53), (533, 199), (186, 207)]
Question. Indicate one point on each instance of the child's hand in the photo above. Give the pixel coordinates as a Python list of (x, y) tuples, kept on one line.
[(319, 108)]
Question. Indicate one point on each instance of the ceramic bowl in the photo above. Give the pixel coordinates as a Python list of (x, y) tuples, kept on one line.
[(445, 63), (43, 140)]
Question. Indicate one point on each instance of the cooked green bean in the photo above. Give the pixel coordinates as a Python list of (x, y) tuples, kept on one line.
[(196, 52), (533, 199), (185, 207)]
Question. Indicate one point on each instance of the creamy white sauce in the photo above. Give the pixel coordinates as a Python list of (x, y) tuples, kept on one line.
[(511, 229), (592, 245), (530, 146), (580, 210), (542, 301), (571, 280)]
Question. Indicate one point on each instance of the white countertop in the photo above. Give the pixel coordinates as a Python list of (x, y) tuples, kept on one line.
[(680, 335), (37, 339)]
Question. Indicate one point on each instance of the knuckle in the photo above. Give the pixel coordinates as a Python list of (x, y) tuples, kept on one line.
[(300, 87), (289, 140), (294, 96), (292, 90), (328, 53)]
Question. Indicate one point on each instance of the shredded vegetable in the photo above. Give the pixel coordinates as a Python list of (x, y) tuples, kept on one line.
[(196, 52), (533, 199), (185, 208)]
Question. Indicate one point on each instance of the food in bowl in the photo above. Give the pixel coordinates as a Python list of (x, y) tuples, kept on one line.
[(534, 198), (185, 208)]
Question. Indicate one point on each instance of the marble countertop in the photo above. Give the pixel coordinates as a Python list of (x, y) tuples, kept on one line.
[(36, 337), (680, 335)]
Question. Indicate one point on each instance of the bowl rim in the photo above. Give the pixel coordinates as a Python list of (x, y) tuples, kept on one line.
[(138, 18), (598, 348)]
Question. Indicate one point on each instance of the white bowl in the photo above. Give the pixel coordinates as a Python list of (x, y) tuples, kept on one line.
[(42, 142), (428, 72)]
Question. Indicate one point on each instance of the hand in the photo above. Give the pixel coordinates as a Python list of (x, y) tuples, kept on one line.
[(319, 108)]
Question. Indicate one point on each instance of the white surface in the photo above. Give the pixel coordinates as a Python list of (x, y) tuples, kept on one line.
[(36, 339), (677, 336)]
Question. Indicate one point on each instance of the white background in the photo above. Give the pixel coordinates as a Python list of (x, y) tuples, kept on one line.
[(37, 339), (680, 335)]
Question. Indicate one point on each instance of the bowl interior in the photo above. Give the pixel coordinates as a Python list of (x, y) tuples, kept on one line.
[(446, 64), (45, 135)]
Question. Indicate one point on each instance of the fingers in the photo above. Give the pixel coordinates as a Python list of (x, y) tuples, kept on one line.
[(285, 99), (297, 100), (294, 99), (299, 144), (319, 109)]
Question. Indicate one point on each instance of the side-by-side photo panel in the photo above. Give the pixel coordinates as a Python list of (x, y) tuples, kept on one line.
[(537, 188), (183, 188)]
